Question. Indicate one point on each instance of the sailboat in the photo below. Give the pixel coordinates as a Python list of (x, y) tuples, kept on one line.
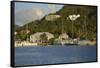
[(25, 42), (84, 41), (73, 41), (69, 41)]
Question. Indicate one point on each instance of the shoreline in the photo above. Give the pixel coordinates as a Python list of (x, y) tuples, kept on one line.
[(56, 46)]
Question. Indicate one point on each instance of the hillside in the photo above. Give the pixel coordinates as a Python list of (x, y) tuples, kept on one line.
[(83, 26), (17, 26)]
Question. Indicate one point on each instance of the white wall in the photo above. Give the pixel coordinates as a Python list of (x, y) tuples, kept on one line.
[(5, 34)]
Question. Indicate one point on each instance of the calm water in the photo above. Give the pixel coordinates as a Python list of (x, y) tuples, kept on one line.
[(37, 55)]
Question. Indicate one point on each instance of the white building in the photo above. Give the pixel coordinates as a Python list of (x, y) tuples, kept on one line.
[(63, 36), (36, 36), (52, 17), (63, 39)]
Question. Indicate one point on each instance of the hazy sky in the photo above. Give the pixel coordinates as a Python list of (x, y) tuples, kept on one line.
[(26, 12)]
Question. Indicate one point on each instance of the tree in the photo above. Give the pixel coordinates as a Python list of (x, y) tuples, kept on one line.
[(43, 39)]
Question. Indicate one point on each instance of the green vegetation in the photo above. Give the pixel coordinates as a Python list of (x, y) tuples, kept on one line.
[(43, 39), (51, 41), (84, 25)]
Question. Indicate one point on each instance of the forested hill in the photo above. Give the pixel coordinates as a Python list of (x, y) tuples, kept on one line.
[(17, 26), (86, 23)]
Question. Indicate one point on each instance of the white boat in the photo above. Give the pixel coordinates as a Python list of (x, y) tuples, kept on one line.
[(25, 43)]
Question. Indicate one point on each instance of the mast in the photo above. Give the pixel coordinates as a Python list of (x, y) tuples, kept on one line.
[(72, 29), (73, 18), (62, 27), (27, 32), (85, 27), (62, 32)]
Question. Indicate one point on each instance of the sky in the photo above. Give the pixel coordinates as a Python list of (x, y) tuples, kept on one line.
[(27, 12)]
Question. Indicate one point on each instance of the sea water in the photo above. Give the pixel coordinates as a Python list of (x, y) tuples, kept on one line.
[(37, 55)]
